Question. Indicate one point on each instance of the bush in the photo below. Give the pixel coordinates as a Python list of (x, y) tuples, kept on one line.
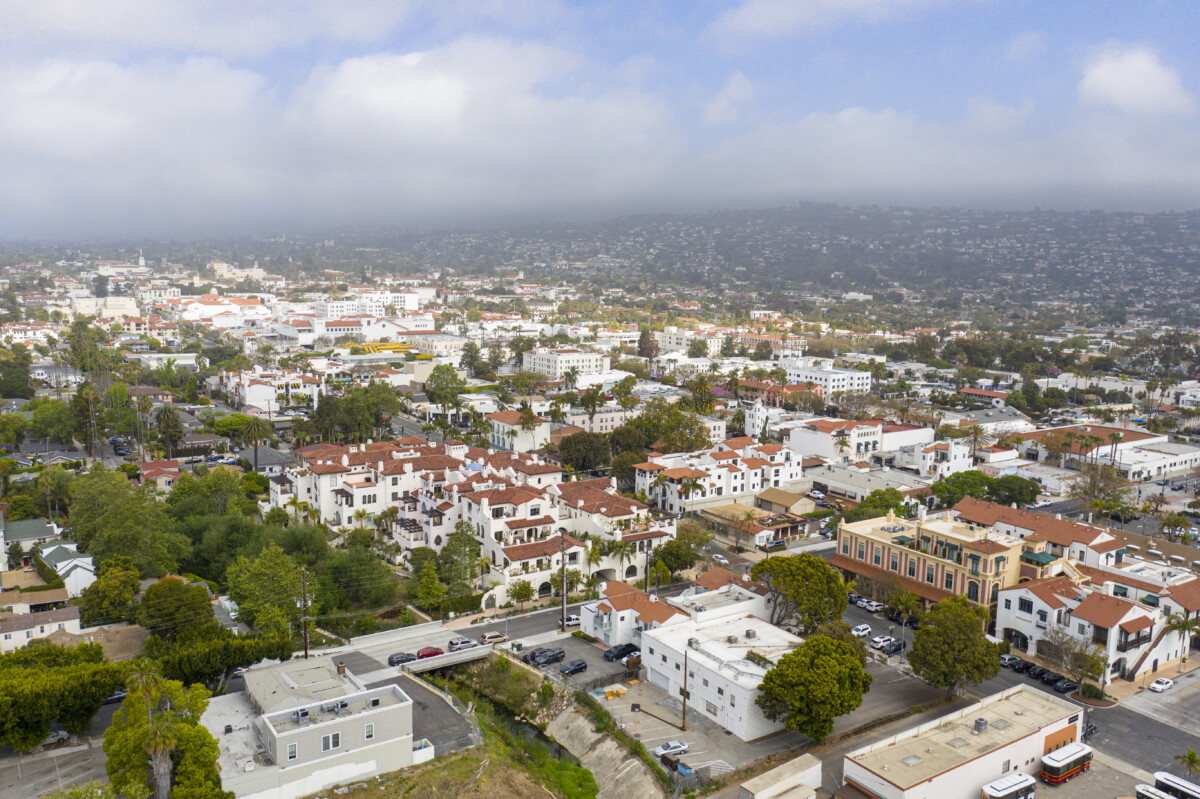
[(585, 637), (1089, 691)]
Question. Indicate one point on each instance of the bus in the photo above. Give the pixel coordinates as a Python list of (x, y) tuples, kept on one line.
[(1014, 786), (1175, 786), (1150, 792), (1065, 763)]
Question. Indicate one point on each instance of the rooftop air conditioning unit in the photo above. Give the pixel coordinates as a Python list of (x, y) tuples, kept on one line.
[(751, 634), (731, 639), (980, 725), (693, 643)]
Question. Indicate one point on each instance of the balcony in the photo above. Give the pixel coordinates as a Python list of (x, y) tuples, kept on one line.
[(1133, 643)]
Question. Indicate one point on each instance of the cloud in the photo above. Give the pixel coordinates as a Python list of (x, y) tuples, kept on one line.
[(1025, 47), (722, 109), (1135, 81), (768, 18)]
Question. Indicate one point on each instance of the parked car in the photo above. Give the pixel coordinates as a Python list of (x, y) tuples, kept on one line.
[(619, 651), (493, 638), (119, 696), (894, 648), (871, 606), (815, 494), (1051, 677), (1161, 684), (1123, 518), (894, 615), (532, 653), (1042, 503), (1065, 686), (861, 631), (671, 748), (774, 545), (429, 652), (852, 599), (573, 620), (397, 658), (548, 656), (574, 667), (628, 660), (1008, 661), (459, 644), (719, 558), (1035, 672), (880, 641), (1020, 666), (55, 737)]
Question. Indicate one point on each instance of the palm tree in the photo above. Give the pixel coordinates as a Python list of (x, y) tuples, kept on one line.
[(144, 679), (360, 516), (294, 503), (623, 551), (255, 431), (170, 429), (46, 483), (687, 487), (1186, 627), (842, 444), (571, 376), (161, 739), (1190, 762)]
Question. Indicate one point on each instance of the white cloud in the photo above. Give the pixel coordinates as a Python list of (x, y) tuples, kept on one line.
[(780, 17), (1134, 80), (1025, 47), (723, 108)]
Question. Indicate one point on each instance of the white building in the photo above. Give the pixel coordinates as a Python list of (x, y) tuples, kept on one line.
[(508, 433), (19, 630), (722, 683), (555, 362), (826, 375), (953, 757), (837, 439)]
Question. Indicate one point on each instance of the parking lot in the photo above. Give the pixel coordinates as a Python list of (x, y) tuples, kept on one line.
[(576, 648)]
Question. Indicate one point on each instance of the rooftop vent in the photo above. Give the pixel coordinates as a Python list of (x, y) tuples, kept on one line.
[(958, 742), (1000, 724), (731, 639), (693, 643), (980, 725), (911, 760), (751, 634)]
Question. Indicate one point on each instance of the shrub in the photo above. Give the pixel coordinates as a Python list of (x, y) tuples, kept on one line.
[(1089, 691), (585, 637)]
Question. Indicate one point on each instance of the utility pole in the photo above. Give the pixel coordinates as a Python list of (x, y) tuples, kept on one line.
[(562, 557), (647, 566), (304, 607), (683, 726)]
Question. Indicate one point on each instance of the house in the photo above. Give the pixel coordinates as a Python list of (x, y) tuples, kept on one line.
[(837, 439), (996, 399), (776, 500), (305, 725), (163, 474), (155, 393), (271, 462), (510, 432), (29, 533), (954, 756), (18, 602), (75, 568), (17, 631), (623, 613), (557, 362)]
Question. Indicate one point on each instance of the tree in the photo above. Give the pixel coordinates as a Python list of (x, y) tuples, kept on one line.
[(574, 578), (622, 467), (1011, 489), (585, 451), (521, 591), (255, 431), (1187, 628), (812, 685), (951, 489), (427, 593), (443, 385), (697, 348), (270, 580), (676, 555), (877, 504), (15, 554), (168, 426), (1190, 762), (171, 608), (907, 604), (110, 598), (110, 516), (647, 345), (627, 438), (52, 419), (840, 630), (1075, 657), (803, 587), (663, 424), (456, 563), (950, 649), (471, 359), (1100, 487)]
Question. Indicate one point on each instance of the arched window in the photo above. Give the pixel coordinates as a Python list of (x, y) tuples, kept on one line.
[(973, 591)]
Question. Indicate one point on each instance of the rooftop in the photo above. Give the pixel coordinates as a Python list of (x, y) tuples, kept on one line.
[(722, 645), (923, 752), (297, 683)]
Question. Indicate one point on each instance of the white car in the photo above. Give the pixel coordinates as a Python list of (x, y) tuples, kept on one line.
[(880, 641), (55, 737), (861, 631), (1160, 685), (871, 606), (1042, 503), (572, 621), (670, 748), (814, 494), (719, 558)]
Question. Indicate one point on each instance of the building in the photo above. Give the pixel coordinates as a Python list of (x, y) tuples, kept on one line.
[(996, 399), (623, 613), (955, 756), (714, 658), (305, 725), (935, 557), (837, 439), (29, 533), (17, 631), (830, 378), (509, 432), (555, 362), (74, 567)]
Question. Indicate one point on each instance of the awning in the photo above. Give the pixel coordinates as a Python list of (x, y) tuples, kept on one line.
[(902, 539), (1040, 558)]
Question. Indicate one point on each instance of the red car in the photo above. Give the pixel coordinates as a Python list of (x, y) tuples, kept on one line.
[(429, 652)]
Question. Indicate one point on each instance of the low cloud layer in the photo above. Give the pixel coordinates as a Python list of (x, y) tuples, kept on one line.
[(499, 127)]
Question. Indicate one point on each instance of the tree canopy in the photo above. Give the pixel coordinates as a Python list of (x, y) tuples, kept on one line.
[(813, 684), (805, 588), (950, 650)]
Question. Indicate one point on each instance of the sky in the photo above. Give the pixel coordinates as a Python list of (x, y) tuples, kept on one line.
[(160, 117)]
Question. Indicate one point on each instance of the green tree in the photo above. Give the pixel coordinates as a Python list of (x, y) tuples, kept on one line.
[(697, 348), (840, 630), (627, 439), (52, 419), (676, 555), (15, 554), (171, 608), (168, 426), (460, 555), (812, 685), (1011, 489), (622, 467), (877, 504), (1100, 487), (521, 591), (443, 385), (950, 650), (110, 516), (270, 580), (585, 451), (1190, 762), (805, 588), (663, 424), (951, 489), (427, 593), (255, 432), (110, 598)]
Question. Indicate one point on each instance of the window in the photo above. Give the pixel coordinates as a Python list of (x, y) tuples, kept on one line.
[(949, 582), (711, 708), (912, 569), (369, 732), (878, 555), (862, 552), (331, 741), (732, 701), (291, 751), (1008, 604), (1004, 767), (705, 682), (895, 562), (720, 692), (1041, 614), (678, 667), (973, 591), (1082, 628), (929, 574), (651, 650), (1025, 605), (664, 657), (845, 547)]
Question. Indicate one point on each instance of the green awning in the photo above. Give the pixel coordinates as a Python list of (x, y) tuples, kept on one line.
[(1122, 551), (1151, 600), (902, 539), (1040, 558)]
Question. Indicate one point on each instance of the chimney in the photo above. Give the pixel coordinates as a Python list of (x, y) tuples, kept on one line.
[(341, 668)]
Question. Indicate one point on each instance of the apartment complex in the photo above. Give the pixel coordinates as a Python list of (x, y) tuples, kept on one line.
[(555, 362)]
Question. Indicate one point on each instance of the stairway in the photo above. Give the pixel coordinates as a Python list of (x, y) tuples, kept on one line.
[(1145, 653)]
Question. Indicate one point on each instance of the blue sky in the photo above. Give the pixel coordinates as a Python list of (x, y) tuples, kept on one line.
[(154, 116)]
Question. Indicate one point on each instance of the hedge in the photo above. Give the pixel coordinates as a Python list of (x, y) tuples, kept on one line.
[(50, 577)]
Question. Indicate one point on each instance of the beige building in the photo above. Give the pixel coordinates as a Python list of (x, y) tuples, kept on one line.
[(934, 556)]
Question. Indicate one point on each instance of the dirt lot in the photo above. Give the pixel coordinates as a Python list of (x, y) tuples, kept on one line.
[(468, 775)]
